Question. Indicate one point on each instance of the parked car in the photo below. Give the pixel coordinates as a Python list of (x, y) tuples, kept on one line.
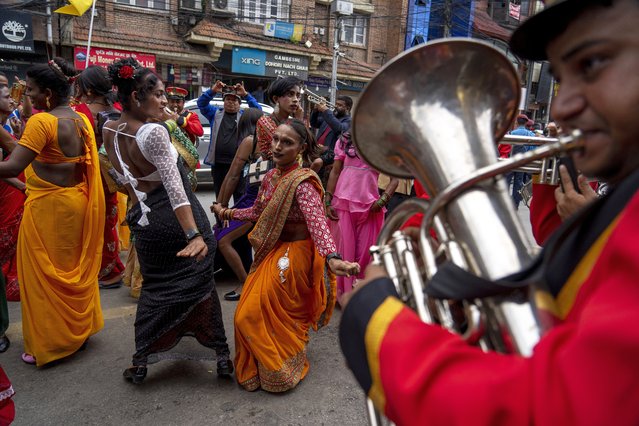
[(204, 172)]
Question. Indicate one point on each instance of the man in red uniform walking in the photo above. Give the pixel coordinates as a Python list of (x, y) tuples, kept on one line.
[(583, 370), (188, 121)]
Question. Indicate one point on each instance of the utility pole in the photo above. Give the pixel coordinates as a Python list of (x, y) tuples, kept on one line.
[(338, 31), (529, 77), (550, 96), (339, 8)]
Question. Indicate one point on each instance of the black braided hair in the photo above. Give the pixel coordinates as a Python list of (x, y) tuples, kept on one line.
[(129, 76), (96, 79), (306, 137), (346, 143), (57, 77)]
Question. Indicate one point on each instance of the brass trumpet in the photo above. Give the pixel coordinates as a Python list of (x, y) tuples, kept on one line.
[(316, 99)]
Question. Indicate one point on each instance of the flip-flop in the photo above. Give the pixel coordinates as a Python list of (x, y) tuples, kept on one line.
[(29, 359)]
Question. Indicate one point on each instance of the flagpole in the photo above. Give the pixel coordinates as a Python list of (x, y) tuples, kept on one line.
[(86, 63)]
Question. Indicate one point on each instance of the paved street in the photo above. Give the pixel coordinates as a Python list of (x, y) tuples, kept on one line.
[(88, 388)]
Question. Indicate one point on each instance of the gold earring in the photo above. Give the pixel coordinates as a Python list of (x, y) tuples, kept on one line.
[(299, 159), (48, 104)]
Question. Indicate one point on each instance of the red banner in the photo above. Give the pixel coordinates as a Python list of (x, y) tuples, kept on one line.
[(514, 10), (104, 57)]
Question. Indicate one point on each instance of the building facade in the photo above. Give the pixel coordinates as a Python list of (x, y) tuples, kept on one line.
[(192, 43), (493, 22)]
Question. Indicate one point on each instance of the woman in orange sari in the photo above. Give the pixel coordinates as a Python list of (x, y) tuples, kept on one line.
[(291, 285), (60, 238)]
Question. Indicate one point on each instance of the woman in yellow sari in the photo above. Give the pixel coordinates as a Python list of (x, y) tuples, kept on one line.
[(291, 285), (60, 238)]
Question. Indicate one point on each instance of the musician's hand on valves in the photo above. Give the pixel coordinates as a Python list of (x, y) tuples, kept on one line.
[(371, 273), (321, 107), (343, 268), (169, 114), (569, 200)]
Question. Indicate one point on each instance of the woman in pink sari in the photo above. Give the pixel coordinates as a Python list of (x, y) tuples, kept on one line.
[(356, 209)]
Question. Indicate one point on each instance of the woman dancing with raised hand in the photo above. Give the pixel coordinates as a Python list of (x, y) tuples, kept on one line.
[(291, 286), (173, 238)]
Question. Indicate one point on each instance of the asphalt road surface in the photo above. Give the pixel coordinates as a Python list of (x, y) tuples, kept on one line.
[(88, 388)]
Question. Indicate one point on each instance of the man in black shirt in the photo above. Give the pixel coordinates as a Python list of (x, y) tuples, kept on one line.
[(224, 129)]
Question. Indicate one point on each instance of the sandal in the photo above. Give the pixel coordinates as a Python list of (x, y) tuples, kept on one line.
[(28, 358), (233, 296)]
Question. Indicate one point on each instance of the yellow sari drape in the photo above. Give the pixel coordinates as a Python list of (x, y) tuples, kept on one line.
[(275, 312), (59, 256)]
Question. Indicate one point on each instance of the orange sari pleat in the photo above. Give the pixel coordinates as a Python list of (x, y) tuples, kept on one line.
[(273, 318)]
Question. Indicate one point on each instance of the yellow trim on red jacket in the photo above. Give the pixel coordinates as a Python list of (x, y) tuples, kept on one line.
[(375, 332), (561, 306)]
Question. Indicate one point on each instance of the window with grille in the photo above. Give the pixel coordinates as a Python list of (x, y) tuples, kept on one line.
[(258, 11), (149, 4), (354, 30), (191, 4)]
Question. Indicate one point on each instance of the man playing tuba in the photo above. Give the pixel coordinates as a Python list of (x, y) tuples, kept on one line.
[(583, 370)]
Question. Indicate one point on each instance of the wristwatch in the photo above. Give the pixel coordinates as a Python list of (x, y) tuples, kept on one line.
[(191, 234)]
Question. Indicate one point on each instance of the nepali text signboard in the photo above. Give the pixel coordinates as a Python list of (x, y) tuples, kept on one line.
[(17, 31), (105, 57), (269, 64)]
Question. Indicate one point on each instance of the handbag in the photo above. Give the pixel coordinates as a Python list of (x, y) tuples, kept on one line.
[(258, 168)]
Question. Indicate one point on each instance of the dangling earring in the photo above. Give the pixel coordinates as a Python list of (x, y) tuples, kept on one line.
[(138, 104), (299, 159), (48, 104)]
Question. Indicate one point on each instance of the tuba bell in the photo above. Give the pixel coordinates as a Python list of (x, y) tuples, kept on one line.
[(446, 103)]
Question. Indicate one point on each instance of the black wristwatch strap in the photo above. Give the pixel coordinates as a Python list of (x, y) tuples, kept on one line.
[(333, 255), (192, 233)]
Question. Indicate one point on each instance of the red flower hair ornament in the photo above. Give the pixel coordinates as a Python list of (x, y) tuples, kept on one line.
[(126, 72)]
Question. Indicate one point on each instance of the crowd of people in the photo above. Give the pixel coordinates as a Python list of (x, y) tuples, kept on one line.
[(77, 141), (295, 188)]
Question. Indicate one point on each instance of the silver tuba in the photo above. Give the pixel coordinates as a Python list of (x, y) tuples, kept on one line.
[(444, 105)]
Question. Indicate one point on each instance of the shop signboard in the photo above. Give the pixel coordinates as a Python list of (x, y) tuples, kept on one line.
[(318, 82), (16, 32), (104, 57), (283, 30), (11, 69), (268, 64), (353, 85)]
